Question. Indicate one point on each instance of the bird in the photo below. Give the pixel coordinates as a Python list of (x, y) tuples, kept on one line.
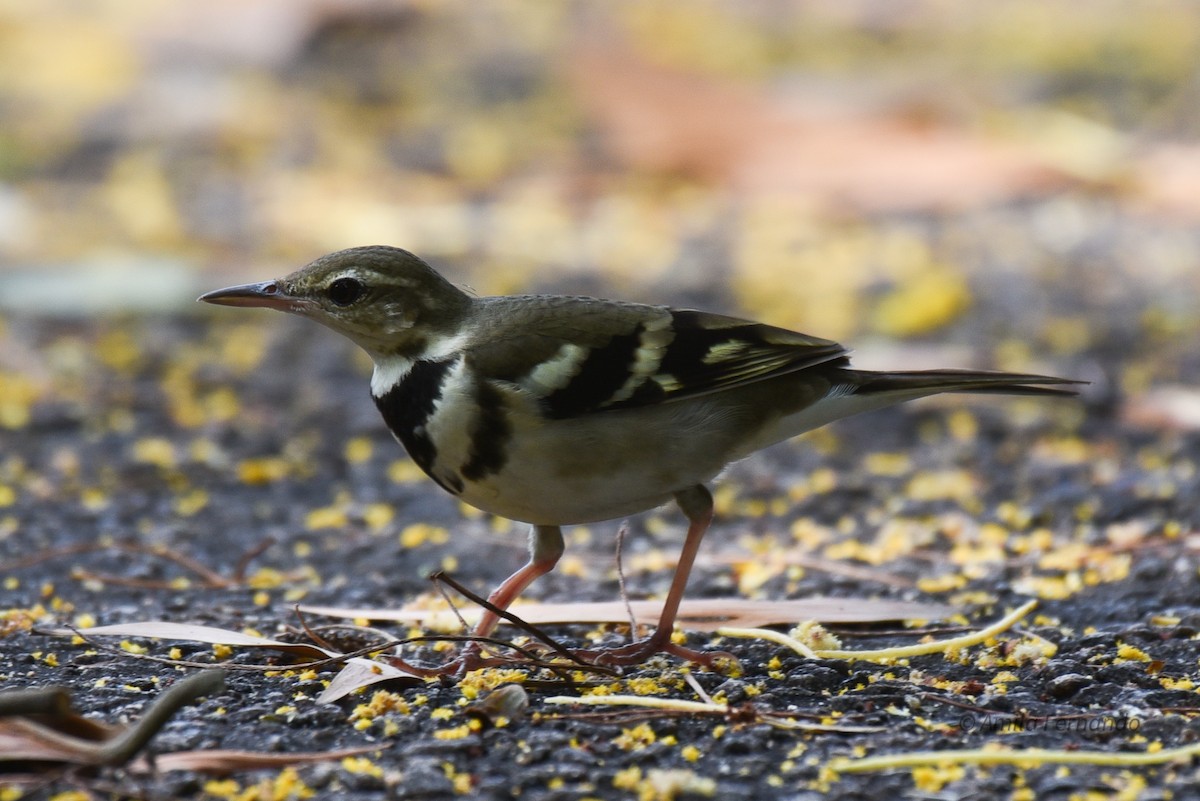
[(558, 410)]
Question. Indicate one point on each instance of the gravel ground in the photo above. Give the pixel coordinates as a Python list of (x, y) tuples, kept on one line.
[(248, 445)]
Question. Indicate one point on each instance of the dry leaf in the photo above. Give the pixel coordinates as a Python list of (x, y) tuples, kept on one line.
[(24, 740), (705, 614), (358, 673), (221, 762), (166, 630), (1170, 407), (38, 725), (1167, 181), (669, 121)]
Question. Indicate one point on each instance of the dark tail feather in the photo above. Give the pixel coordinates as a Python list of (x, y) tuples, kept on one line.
[(975, 381)]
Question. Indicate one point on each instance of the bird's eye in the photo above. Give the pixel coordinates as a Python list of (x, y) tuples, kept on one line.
[(345, 291)]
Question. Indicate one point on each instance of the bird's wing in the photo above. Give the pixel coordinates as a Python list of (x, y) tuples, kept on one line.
[(579, 355)]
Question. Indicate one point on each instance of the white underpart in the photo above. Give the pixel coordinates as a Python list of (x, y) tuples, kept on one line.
[(391, 369), (841, 402), (453, 419)]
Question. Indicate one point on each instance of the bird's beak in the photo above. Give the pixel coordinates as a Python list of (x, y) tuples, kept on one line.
[(265, 295)]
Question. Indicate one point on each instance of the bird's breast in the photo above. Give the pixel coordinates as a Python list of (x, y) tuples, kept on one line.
[(494, 446)]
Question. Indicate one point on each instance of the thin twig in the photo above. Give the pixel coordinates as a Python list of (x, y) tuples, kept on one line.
[(337, 659), (186, 691), (243, 563), (441, 584), (1023, 756), (529, 629), (209, 579), (622, 532)]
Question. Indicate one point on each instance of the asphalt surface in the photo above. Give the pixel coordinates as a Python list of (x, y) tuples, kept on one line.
[(248, 445)]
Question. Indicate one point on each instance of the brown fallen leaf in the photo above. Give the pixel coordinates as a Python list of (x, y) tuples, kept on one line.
[(1174, 407), (39, 727), (359, 673), (221, 762), (669, 121), (168, 630), (704, 614), (1165, 181), (25, 740)]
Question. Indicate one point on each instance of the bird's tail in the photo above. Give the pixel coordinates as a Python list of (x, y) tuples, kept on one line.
[(856, 391), (918, 383)]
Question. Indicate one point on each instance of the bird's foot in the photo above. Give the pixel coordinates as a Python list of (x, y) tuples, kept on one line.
[(470, 659), (615, 658), (636, 653)]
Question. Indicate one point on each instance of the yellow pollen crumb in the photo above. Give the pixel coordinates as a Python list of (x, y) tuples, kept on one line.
[(943, 583), (639, 736), (378, 515), (457, 733), (358, 450), (1132, 654), (923, 302), (887, 464), (955, 485), (932, 779), (266, 578), (326, 517), (403, 471), (156, 451), (93, 499), (263, 470), (382, 702), (822, 480), (815, 636), (419, 534), (645, 686), (361, 766), (628, 779)]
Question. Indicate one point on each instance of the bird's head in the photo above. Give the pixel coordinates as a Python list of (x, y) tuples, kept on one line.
[(385, 299)]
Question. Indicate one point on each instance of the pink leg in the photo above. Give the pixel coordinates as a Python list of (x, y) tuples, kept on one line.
[(545, 548), (697, 504)]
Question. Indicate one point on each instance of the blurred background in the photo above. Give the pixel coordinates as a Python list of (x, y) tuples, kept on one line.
[(864, 170), (1011, 184)]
